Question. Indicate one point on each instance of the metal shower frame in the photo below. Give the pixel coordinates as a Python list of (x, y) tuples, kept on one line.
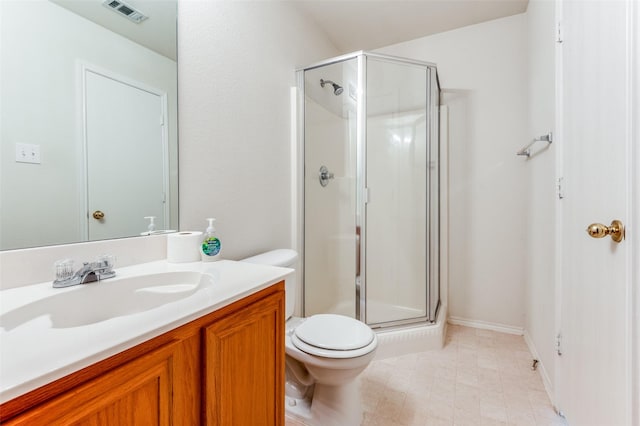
[(361, 189)]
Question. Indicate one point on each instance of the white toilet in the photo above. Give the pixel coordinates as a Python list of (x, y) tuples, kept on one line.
[(325, 354)]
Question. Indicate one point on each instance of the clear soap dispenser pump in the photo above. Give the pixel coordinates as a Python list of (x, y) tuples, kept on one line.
[(151, 227), (211, 247)]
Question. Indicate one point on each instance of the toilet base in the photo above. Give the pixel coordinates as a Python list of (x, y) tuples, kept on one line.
[(329, 406), (299, 408)]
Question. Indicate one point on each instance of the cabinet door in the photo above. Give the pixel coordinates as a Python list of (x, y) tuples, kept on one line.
[(137, 393), (244, 366)]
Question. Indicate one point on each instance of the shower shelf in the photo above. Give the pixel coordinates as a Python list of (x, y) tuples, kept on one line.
[(526, 150)]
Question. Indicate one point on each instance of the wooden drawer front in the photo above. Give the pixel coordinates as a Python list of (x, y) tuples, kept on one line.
[(137, 393)]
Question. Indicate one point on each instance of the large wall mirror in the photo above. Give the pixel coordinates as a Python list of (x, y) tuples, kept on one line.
[(88, 120)]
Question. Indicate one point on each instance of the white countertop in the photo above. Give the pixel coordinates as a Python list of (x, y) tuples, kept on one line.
[(34, 350)]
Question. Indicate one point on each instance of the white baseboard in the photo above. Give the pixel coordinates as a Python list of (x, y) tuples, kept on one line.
[(486, 325), (544, 375)]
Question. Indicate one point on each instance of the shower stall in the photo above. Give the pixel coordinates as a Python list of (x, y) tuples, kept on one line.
[(368, 131)]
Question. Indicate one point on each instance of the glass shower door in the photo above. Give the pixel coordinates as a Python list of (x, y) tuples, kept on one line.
[(330, 188), (397, 210)]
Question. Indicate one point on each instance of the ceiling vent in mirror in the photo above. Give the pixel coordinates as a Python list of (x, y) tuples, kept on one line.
[(125, 10)]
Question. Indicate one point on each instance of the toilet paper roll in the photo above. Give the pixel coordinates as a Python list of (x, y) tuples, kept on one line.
[(184, 247)]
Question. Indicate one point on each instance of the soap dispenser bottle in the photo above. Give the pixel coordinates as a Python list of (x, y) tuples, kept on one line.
[(152, 224), (211, 246), (151, 227)]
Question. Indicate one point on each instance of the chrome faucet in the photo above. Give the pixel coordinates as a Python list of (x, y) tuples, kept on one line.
[(100, 269)]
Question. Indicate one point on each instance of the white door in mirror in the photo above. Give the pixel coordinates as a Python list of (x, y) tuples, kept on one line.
[(126, 156)]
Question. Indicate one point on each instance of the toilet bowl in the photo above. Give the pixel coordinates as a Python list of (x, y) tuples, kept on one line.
[(325, 354)]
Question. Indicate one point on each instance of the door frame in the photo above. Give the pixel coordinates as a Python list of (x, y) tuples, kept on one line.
[(559, 166), (634, 215), (82, 69)]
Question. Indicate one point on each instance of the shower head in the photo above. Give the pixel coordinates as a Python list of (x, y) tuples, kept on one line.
[(337, 89)]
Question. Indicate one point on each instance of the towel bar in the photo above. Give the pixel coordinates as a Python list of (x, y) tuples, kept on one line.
[(526, 150)]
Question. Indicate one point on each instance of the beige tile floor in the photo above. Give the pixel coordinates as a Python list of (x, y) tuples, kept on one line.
[(479, 378)]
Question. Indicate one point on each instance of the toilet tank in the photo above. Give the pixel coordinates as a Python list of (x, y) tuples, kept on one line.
[(288, 259)]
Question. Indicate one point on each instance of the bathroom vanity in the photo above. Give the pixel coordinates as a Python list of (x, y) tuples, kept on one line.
[(221, 364)]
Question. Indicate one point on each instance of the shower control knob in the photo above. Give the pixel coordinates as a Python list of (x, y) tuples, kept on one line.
[(324, 175)]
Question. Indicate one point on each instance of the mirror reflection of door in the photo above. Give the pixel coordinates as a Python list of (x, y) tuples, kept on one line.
[(126, 155)]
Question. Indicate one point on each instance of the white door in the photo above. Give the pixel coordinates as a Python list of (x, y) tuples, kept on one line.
[(594, 374), (125, 157)]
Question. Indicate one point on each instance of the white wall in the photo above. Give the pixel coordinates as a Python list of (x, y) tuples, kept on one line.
[(483, 75), (236, 65), (40, 49), (541, 190)]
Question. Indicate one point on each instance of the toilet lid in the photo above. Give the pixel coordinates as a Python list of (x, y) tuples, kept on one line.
[(334, 332)]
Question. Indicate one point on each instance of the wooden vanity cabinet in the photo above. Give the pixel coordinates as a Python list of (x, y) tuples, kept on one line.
[(226, 368)]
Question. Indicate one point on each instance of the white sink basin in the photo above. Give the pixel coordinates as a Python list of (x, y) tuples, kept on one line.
[(103, 300)]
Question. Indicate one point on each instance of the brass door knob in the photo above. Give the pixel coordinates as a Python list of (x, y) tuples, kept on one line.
[(598, 230), (98, 215)]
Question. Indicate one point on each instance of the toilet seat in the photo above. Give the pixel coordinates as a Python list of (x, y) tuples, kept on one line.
[(333, 336)]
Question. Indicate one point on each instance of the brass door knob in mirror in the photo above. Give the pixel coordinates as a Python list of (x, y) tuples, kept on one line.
[(598, 230), (98, 215)]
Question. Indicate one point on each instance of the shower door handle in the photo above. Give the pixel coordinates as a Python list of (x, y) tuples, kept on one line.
[(324, 175), (357, 251)]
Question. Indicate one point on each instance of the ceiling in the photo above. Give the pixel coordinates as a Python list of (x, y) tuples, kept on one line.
[(157, 33), (350, 25), (354, 25)]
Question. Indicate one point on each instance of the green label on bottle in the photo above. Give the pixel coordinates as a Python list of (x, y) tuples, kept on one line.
[(211, 246)]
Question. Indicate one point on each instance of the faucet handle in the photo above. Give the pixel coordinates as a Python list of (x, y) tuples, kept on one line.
[(105, 261), (103, 266), (63, 269)]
